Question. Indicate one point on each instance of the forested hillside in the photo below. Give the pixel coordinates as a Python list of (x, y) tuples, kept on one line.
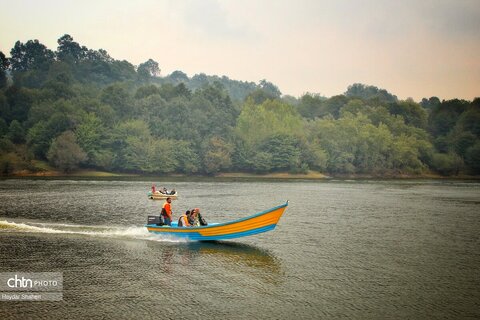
[(80, 108)]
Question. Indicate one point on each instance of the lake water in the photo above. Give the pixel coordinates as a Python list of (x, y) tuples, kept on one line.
[(343, 249)]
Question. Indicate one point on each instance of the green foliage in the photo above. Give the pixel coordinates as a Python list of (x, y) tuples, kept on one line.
[(146, 91), (187, 159), (270, 88), (217, 155), (412, 113), (148, 70), (118, 98), (6, 145), (177, 77), (284, 151), (81, 107), (64, 153), (31, 55), (38, 139), (16, 133), (91, 136), (447, 164), (19, 102), (312, 106), (259, 96), (445, 115), (3, 127), (470, 121), (366, 92), (354, 144), (430, 103), (472, 158), (258, 122), (4, 64), (69, 50), (261, 162)]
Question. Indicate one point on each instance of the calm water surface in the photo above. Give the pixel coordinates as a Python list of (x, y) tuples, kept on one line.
[(358, 250)]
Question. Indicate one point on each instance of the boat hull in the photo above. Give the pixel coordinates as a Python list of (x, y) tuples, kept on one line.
[(161, 196), (255, 224)]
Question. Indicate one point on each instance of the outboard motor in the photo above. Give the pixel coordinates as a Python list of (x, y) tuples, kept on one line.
[(155, 220)]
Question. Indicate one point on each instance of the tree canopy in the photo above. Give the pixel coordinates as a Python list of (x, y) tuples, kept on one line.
[(77, 107)]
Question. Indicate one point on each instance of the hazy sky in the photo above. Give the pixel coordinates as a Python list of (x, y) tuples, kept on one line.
[(412, 48)]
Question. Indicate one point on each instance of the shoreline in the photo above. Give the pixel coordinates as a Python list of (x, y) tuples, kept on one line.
[(312, 175)]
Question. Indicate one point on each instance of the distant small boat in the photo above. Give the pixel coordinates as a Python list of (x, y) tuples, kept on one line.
[(254, 224), (157, 195)]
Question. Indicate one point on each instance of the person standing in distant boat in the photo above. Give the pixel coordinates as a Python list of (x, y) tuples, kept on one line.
[(167, 212)]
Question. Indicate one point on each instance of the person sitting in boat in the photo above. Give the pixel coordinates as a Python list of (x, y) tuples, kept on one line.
[(193, 217), (196, 218), (183, 220), (201, 220), (173, 192)]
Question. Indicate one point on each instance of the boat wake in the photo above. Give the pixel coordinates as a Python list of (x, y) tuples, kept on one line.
[(134, 232)]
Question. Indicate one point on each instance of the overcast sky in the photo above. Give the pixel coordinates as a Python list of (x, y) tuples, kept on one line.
[(411, 48)]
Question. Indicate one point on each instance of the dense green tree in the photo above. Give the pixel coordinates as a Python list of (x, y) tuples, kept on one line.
[(472, 158), (217, 155), (261, 162), (59, 81), (270, 88), (257, 122), (199, 81), (366, 92), (4, 64), (284, 150), (39, 139), (3, 127), (148, 70), (333, 105), (64, 153), (69, 50), (169, 91), (91, 137), (237, 90), (31, 55), (16, 133), (5, 111), (19, 102), (259, 96), (411, 111), (6, 145), (48, 127), (122, 71), (459, 141), (311, 106), (447, 164), (430, 103), (314, 156), (470, 121), (146, 91), (132, 119), (177, 77), (187, 159), (443, 117), (118, 97)]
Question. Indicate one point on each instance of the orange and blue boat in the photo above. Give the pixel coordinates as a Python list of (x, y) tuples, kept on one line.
[(260, 222)]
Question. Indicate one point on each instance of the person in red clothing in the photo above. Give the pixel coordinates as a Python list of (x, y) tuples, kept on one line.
[(167, 212)]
